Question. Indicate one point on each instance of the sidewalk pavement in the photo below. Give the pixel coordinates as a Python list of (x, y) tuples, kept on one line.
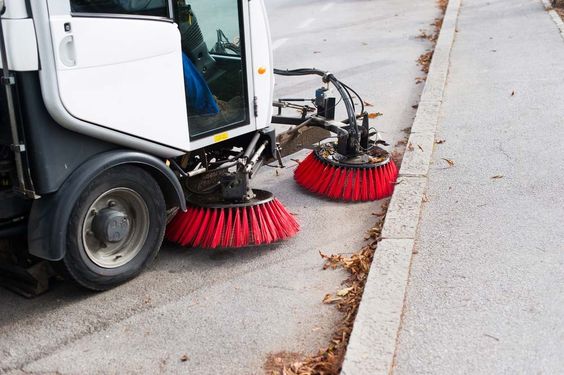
[(486, 290)]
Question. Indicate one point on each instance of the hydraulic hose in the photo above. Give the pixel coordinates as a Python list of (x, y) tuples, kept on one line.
[(328, 77)]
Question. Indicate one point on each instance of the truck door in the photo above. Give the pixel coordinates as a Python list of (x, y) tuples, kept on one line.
[(119, 66), (216, 45)]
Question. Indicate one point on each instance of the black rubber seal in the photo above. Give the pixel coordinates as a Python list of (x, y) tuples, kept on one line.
[(216, 201)]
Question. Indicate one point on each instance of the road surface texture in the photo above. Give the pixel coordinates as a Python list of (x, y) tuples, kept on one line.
[(486, 293), (227, 310)]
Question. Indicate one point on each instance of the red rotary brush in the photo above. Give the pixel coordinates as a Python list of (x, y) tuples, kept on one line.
[(365, 178), (261, 221)]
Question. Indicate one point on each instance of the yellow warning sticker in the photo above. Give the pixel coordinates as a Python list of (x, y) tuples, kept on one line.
[(220, 137)]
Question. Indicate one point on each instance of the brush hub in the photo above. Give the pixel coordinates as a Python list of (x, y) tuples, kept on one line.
[(374, 158)]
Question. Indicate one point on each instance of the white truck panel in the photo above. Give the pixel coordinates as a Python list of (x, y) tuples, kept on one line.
[(15, 9), (124, 75), (21, 45), (261, 59)]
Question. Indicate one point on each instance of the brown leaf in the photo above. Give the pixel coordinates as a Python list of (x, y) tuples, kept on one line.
[(366, 104), (497, 177), (421, 148), (449, 161), (513, 93), (329, 299), (344, 292), (374, 115)]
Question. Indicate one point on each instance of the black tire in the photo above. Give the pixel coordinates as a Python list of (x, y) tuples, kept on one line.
[(80, 261)]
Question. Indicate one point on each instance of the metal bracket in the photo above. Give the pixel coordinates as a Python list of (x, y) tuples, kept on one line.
[(18, 148), (8, 81)]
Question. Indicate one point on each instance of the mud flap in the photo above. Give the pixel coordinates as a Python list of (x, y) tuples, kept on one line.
[(20, 274)]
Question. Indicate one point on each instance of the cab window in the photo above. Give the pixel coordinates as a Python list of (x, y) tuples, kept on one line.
[(155, 8)]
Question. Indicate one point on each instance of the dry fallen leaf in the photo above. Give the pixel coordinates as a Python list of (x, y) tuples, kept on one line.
[(329, 299), (366, 104), (344, 292), (374, 115), (497, 177), (421, 148), (449, 161), (513, 93)]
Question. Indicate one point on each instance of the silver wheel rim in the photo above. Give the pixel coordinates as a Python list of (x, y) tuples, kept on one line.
[(114, 255)]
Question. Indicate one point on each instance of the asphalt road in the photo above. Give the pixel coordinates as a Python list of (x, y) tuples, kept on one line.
[(227, 310)]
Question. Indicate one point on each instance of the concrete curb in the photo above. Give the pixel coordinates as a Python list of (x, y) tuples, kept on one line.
[(373, 340), (555, 17)]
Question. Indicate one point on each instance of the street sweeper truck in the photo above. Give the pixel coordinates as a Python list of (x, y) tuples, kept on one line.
[(125, 121)]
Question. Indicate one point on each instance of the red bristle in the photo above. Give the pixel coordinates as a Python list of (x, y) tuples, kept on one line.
[(310, 179), (380, 181), (348, 188), (372, 184), (189, 221), (218, 230), (238, 239), (291, 225), (328, 176), (267, 236), (202, 228), (245, 227), (343, 183), (386, 177), (393, 176), (304, 168), (274, 221), (364, 187), (356, 185), (228, 234), (232, 227), (278, 222), (255, 226), (317, 180), (340, 184), (208, 238)]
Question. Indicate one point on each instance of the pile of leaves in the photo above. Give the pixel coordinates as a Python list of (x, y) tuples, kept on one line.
[(329, 360), (424, 60)]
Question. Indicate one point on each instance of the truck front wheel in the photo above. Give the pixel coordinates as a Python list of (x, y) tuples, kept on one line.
[(116, 228)]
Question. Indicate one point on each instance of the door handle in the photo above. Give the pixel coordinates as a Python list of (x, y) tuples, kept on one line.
[(67, 51)]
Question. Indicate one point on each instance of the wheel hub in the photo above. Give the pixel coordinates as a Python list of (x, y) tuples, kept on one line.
[(111, 225), (115, 227)]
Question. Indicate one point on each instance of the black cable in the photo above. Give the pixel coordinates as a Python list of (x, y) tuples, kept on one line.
[(358, 96), (350, 97)]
